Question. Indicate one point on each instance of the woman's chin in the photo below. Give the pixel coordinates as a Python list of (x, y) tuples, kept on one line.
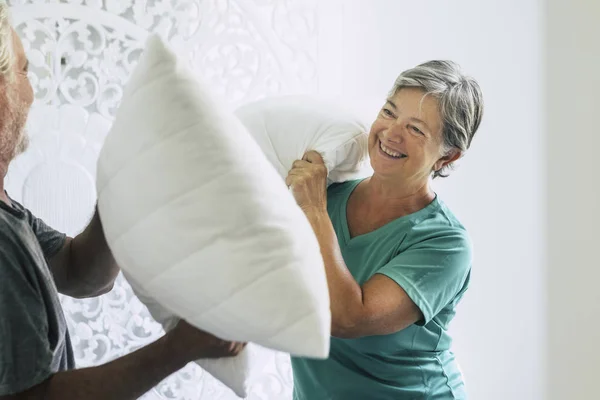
[(385, 164), (384, 169)]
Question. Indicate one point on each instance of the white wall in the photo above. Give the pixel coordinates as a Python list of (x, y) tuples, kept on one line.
[(573, 87), (498, 190)]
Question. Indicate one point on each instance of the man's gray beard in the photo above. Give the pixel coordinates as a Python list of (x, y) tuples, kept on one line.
[(23, 141), (14, 139)]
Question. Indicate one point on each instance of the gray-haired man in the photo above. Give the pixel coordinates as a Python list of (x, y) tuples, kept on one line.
[(37, 262)]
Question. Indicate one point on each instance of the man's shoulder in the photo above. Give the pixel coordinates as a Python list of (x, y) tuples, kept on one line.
[(15, 241), (11, 231), (33, 231)]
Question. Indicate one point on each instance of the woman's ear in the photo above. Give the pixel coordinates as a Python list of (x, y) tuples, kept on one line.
[(453, 155)]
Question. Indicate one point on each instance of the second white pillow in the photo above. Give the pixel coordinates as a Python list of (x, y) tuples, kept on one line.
[(286, 127)]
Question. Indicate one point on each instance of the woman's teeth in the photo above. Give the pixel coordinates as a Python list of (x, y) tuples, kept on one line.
[(390, 152)]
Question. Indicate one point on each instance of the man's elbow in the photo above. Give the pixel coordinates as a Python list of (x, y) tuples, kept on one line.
[(83, 291), (103, 290)]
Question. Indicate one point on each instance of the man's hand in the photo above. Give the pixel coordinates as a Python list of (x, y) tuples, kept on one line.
[(193, 344)]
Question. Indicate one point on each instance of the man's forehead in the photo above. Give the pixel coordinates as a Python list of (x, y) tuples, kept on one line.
[(17, 44)]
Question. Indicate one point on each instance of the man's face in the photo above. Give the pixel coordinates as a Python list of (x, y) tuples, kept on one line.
[(15, 101)]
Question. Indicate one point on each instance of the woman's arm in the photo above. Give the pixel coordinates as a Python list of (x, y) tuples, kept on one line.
[(380, 306)]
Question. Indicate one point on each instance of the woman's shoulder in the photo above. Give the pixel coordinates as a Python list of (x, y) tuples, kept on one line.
[(440, 222), (342, 189)]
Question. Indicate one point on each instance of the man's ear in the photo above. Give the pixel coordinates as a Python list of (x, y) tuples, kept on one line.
[(453, 155)]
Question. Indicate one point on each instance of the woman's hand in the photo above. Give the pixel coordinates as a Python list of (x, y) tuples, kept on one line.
[(192, 343), (308, 181)]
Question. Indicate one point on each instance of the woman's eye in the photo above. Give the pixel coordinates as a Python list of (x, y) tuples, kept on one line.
[(417, 130), (388, 112)]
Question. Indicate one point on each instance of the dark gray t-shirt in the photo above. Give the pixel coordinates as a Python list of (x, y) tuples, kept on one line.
[(34, 340)]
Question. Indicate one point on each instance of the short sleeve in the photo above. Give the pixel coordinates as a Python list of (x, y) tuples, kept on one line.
[(51, 240), (432, 272), (25, 354)]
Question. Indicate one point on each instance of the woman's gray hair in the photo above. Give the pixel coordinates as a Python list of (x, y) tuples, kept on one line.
[(6, 44), (459, 97)]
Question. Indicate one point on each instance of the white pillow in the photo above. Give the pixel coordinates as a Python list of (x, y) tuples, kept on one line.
[(200, 221), (238, 373), (286, 127)]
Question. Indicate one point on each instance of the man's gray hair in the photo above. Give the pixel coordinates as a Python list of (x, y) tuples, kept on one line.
[(6, 45), (459, 97)]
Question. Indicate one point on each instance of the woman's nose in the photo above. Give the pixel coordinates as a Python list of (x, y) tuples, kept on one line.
[(394, 133)]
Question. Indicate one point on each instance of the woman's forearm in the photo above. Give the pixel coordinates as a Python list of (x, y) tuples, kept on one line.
[(344, 292)]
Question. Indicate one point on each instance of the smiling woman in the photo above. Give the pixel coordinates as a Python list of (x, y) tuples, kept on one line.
[(397, 260), (406, 137)]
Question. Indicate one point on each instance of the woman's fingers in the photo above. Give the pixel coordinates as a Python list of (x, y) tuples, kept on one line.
[(313, 157)]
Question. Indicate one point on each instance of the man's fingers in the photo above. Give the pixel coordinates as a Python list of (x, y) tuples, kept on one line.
[(236, 348)]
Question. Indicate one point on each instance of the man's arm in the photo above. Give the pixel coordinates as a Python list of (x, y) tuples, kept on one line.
[(84, 266), (129, 377)]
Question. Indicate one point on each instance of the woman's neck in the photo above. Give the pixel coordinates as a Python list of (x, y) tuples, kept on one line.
[(397, 199)]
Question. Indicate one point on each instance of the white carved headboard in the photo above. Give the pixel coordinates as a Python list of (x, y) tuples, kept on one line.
[(81, 54)]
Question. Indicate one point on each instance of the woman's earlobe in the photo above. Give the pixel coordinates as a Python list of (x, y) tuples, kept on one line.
[(453, 155)]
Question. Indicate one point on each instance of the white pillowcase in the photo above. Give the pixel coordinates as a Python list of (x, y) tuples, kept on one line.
[(238, 373), (288, 126), (202, 224)]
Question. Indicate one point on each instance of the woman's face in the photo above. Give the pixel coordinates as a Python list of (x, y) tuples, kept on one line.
[(405, 142)]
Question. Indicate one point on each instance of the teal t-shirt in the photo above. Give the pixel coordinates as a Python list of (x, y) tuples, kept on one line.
[(428, 253)]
